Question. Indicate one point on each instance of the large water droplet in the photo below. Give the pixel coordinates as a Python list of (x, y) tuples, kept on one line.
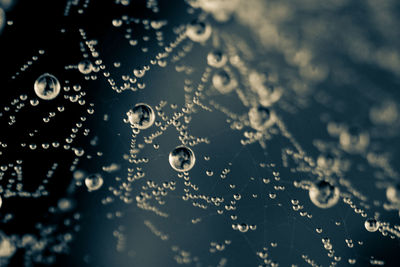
[(47, 86), (142, 116), (182, 159), (323, 194)]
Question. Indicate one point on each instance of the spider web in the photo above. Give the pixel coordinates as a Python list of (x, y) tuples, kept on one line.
[(246, 200)]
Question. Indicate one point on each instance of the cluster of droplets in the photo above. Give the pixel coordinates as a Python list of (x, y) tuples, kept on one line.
[(244, 227)]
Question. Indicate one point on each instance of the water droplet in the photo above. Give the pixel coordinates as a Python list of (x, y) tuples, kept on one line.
[(323, 194), (393, 193), (224, 82), (260, 118), (182, 159), (216, 59), (142, 116), (85, 66), (94, 182), (47, 86), (198, 31), (371, 225)]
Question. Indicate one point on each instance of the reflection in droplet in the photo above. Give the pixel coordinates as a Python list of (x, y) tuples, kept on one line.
[(93, 182), (260, 118), (85, 66), (371, 224), (182, 159), (142, 116), (198, 31), (216, 59), (47, 86), (323, 194), (224, 82)]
